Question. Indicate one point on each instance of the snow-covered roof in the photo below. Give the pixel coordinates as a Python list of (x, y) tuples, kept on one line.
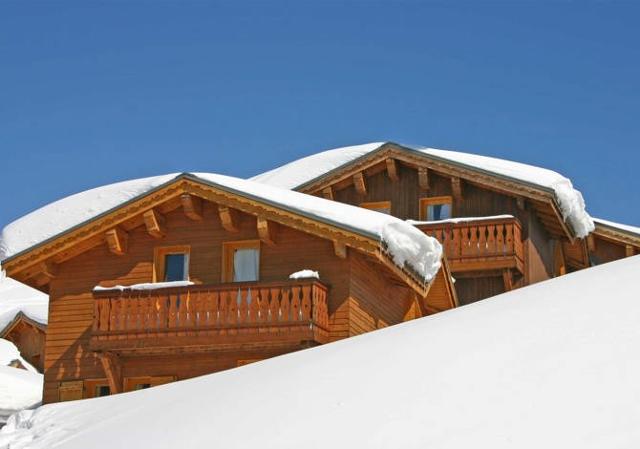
[(541, 366), (16, 297), (303, 171), (19, 388), (618, 226), (403, 242)]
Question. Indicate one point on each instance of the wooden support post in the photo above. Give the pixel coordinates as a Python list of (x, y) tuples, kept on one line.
[(423, 178), (507, 278), (267, 231), (359, 183), (392, 170), (228, 218), (192, 206), (591, 243), (629, 251), (117, 240), (340, 249), (113, 371), (327, 192), (154, 222), (520, 202)]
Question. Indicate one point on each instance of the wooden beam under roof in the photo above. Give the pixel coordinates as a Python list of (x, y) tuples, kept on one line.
[(340, 249), (629, 250), (392, 170), (423, 178), (266, 231), (154, 221), (228, 218), (456, 188), (192, 206), (327, 192), (360, 183), (117, 240)]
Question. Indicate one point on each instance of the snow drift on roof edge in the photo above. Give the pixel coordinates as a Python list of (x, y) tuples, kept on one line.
[(570, 200), (404, 243), (491, 374)]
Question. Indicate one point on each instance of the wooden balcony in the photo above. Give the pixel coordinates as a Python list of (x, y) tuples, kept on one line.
[(480, 245), (204, 317)]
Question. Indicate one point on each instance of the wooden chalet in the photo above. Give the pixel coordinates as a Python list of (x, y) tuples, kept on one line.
[(29, 337), (499, 231), (192, 277)]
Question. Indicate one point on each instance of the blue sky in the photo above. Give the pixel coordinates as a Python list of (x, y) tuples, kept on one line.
[(96, 92)]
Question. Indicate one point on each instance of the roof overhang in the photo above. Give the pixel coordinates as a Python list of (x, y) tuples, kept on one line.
[(21, 317), (26, 264), (543, 197)]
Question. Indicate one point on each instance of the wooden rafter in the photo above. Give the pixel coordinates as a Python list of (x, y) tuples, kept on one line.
[(340, 249), (360, 183), (192, 206), (392, 170), (456, 188), (266, 231), (113, 371), (520, 202), (228, 218), (423, 178), (629, 250), (328, 193), (117, 240), (154, 221)]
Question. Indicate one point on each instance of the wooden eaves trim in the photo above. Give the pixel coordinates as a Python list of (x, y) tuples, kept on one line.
[(616, 235), (474, 175), (93, 229)]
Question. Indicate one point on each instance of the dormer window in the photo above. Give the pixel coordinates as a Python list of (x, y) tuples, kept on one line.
[(241, 261), (171, 264), (435, 208), (384, 207)]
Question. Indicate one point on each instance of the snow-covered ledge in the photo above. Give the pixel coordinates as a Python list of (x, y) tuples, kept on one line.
[(305, 274), (145, 286)]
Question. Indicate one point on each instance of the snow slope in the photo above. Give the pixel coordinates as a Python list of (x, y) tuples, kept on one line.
[(570, 200), (404, 243), (19, 389), (551, 365), (16, 297)]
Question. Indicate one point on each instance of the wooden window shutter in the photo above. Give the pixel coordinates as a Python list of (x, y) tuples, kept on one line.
[(70, 391)]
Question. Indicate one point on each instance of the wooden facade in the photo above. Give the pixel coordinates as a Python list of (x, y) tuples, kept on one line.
[(519, 237), (113, 340)]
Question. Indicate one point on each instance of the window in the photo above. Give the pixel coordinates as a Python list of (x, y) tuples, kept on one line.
[(171, 263), (383, 207), (95, 388), (144, 382), (241, 261), (435, 208)]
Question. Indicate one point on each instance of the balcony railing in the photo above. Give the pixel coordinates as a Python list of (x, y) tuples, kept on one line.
[(226, 315), (481, 244)]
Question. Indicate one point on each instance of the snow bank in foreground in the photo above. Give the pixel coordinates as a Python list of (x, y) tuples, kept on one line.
[(19, 389), (422, 253), (570, 200), (16, 297), (543, 366)]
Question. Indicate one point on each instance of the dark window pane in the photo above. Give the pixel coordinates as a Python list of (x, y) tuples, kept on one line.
[(103, 390), (174, 267)]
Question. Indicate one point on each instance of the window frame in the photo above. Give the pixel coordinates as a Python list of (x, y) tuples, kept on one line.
[(375, 205), (424, 203), (90, 386), (153, 381), (159, 254), (228, 249)]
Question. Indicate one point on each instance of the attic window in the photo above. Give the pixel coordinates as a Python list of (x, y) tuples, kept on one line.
[(384, 207), (171, 264), (435, 208)]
